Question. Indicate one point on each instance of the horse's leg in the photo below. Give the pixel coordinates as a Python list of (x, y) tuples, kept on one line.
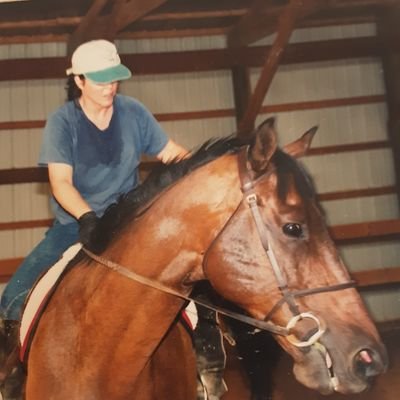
[(171, 372)]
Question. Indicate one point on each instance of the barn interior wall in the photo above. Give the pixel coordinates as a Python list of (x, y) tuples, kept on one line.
[(203, 91), (350, 124)]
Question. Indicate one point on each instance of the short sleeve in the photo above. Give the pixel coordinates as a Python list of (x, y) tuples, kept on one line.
[(57, 143), (153, 137)]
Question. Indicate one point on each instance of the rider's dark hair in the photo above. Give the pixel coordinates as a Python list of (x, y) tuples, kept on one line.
[(73, 92)]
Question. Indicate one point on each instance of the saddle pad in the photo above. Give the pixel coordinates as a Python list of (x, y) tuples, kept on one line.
[(190, 315), (39, 294)]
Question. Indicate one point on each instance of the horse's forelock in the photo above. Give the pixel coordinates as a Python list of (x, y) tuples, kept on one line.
[(290, 170)]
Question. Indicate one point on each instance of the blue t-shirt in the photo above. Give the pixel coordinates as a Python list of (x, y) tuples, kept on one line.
[(104, 162)]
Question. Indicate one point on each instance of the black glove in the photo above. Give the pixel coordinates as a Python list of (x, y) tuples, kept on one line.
[(87, 226)]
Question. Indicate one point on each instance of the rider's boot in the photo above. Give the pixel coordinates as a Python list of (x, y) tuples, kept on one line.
[(210, 354), (11, 373)]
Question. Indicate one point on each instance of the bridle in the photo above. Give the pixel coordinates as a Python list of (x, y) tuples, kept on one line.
[(289, 296)]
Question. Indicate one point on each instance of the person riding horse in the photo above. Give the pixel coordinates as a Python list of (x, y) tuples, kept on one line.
[(92, 147)]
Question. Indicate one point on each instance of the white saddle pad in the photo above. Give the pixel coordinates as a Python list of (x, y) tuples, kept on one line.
[(40, 292)]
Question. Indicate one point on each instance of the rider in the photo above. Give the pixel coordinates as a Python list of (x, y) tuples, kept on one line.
[(91, 147)]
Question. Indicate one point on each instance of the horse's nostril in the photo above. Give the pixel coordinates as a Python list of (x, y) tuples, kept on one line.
[(365, 356), (365, 365)]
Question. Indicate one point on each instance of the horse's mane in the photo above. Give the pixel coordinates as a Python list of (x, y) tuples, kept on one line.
[(129, 205), (162, 176)]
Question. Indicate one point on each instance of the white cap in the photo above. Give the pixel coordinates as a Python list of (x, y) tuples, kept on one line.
[(98, 60)]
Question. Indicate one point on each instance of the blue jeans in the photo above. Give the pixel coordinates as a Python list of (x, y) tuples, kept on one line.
[(57, 239)]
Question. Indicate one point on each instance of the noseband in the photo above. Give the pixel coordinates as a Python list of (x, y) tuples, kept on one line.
[(288, 295)]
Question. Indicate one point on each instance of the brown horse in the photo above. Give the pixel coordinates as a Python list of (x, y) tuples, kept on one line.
[(243, 217)]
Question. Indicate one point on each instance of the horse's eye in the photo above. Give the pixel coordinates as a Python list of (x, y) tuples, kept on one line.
[(293, 230)]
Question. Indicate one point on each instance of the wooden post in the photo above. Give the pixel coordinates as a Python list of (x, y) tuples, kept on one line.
[(241, 90), (389, 35)]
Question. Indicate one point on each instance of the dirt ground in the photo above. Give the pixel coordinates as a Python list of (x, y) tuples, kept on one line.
[(386, 387)]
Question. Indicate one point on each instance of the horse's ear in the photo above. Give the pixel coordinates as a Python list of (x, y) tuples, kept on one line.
[(264, 146), (301, 146)]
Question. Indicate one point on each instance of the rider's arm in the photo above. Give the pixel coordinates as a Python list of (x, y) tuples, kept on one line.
[(60, 176)]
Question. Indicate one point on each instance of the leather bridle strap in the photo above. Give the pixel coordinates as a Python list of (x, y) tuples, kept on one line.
[(264, 325), (288, 296), (247, 187), (310, 292)]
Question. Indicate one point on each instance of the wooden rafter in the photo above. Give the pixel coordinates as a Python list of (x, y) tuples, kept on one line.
[(47, 20), (202, 60), (96, 25), (295, 10), (255, 24), (263, 18), (85, 29)]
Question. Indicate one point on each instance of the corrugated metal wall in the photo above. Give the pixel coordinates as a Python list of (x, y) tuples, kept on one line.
[(173, 93)]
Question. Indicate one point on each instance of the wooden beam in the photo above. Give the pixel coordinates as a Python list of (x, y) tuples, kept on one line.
[(389, 34), (8, 267), (39, 223), (377, 277), (38, 174), (273, 108), (241, 90), (261, 20), (33, 124), (357, 193), (85, 30), (366, 230), (264, 17), (97, 25), (368, 279), (49, 19), (127, 11), (329, 196), (23, 175), (291, 13), (201, 60), (348, 147)]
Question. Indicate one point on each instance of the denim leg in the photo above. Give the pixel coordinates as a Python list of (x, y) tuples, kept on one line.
[(57, 239)]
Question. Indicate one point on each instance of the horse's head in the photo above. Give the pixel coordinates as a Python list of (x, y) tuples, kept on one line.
[(276, 260)]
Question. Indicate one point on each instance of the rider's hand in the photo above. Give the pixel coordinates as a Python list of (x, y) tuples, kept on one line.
[(87, 226)]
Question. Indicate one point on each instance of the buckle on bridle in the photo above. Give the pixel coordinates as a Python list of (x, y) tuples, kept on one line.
[(313, 339), (251, 199)]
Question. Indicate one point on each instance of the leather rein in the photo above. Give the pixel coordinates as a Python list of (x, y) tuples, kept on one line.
[(288, 296)]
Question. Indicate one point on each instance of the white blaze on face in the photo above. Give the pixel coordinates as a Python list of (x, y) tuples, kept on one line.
[(168, 227)]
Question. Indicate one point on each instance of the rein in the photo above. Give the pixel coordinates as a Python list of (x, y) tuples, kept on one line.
[(120, 269), (288, 296)]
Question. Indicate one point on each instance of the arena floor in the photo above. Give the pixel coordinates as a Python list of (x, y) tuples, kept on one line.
[(386, 387)]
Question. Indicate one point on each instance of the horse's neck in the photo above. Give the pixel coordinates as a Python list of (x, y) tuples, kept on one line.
[(138, 319), (167, 244), (169, 241)]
